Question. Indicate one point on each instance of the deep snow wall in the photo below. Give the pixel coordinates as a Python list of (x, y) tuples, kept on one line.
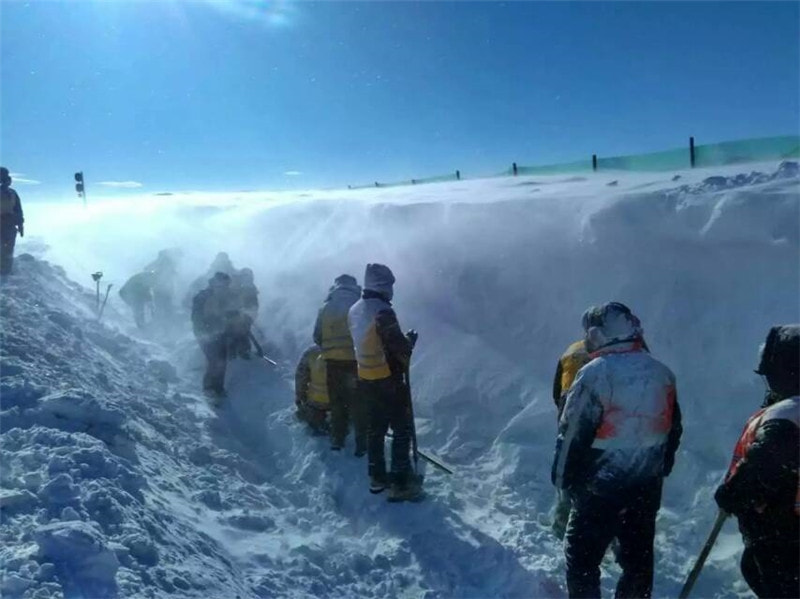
[(495, 275)]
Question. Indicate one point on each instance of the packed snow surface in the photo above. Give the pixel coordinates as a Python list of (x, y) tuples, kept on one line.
[(119, 480)]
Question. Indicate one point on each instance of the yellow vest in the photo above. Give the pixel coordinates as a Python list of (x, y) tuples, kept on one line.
[(318, 385), (575, 358), (372, 363), (8, 201), (336, 341)]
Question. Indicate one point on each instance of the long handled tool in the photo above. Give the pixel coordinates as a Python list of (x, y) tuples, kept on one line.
[(412, 424), (96, 276), (260, 351), (434, 461), (105, 300), (701, 559), (416, 451)]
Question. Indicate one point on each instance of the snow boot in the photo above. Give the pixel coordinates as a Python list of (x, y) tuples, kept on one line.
[(377, 484), (410, 490)]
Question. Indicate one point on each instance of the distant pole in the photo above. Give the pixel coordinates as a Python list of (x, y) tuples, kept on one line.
[(594, 162), (458, 175), (691, 152), (514, 168), (80, 186)]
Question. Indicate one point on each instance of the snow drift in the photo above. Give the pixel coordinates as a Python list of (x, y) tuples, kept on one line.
[(118, 479)]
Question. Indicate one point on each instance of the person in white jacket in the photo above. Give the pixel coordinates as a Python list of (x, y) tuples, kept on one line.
[(617, 439)]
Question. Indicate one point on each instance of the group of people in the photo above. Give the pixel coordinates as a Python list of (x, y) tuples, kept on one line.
[(619, 420), (619, 428), (223, 306), (357, 373)]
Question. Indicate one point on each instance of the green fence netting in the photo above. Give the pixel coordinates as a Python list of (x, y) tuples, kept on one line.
[(719, 154)]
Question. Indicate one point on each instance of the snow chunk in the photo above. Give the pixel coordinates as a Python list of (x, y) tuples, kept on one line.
[(85, 564)]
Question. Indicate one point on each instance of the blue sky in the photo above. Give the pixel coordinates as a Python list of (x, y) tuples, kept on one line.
[(231, 95)]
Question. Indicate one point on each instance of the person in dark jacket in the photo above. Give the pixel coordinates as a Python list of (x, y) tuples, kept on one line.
[(137, 293), (761, 487), (245, 296), (211, 313), (332, 334), (618, 435), (383, 354), (12, 222), (221, 263)]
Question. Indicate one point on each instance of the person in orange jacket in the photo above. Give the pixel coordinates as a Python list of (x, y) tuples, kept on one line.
[(762, 487)]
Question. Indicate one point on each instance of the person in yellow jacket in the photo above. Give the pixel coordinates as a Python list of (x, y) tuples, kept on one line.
[(11, 221), (333, 336), (571, 361), (311, 390), (383, 354)]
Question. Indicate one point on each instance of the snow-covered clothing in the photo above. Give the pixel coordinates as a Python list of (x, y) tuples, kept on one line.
[(762, 490), (621, 424), (617, 439), (762, 485)]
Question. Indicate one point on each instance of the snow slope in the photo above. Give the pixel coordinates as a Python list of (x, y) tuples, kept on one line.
[(117, 477)]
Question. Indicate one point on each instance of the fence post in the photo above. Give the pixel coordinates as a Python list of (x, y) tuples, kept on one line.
[(594, 162), (458, 175), (514, 168), (691, 152)]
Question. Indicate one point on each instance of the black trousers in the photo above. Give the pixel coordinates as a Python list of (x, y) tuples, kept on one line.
[(772, 570), (216, 350), (594, 522), (388, 407), (8, 239), (347, 403)]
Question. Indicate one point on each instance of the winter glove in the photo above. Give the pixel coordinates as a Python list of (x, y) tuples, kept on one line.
[(412, 336), (723, 499), (21, 230)]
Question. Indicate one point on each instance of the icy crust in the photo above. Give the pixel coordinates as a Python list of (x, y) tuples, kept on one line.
[(83, 412)]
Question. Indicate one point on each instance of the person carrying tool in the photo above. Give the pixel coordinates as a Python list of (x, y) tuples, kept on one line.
[(761, 487), (383, 354)]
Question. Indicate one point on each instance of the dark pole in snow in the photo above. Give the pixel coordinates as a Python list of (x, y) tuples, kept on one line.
[(458, 175), (594, 162), (514, 168), (691, 151)]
